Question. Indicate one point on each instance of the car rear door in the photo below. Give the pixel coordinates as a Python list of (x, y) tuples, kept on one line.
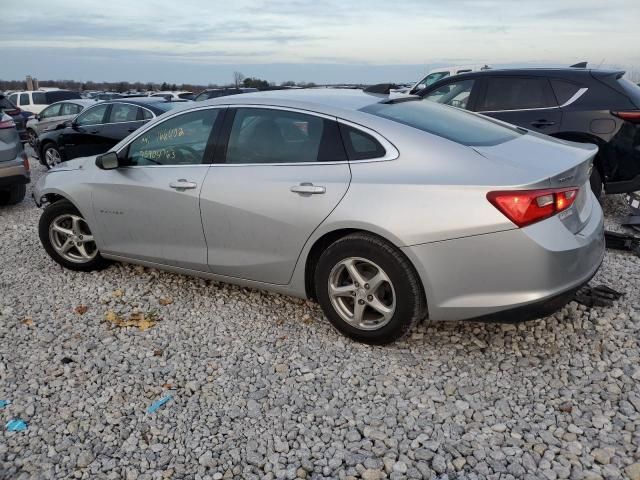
[(49, 118), (280, 174), (526, 101), (148, 209)]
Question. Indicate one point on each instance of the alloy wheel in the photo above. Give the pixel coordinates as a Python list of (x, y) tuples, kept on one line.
[(362, 293), (71, 238), (52, 156), (33, 138)]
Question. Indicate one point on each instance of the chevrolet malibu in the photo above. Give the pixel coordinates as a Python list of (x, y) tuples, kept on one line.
[(384, 211)]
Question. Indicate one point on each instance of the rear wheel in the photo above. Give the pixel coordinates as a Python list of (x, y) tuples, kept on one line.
[(368, 289), (32, 137), (12, 195), (67, 238)]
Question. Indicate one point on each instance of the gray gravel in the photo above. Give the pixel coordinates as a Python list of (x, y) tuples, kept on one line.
[(263, 387)]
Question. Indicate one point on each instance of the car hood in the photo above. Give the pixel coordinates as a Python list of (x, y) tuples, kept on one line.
[(75, 164)]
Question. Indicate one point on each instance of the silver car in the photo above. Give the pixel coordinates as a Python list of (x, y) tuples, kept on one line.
[(54, 115), (387, 212)]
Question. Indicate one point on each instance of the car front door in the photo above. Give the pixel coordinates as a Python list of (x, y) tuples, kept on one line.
[(84, 136), (282, 174), (148, 209), (528, 102)]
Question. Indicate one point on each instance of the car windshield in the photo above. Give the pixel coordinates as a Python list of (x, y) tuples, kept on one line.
[(446, 122)]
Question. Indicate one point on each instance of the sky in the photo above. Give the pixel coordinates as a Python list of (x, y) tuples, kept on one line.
[(324, 41)]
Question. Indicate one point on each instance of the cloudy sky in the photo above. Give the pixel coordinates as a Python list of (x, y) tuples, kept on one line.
[(204, 41)]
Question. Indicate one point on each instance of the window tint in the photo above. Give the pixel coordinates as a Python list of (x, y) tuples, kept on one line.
[(515, 93), (186, 96), (59, 95), (181, 140), (455, 94), (278, 136), (93, 115), (563, 90), (52, 111), (24, 99), (360, 145), (146, 114), (123, 112), (40, 98), (450, 123)]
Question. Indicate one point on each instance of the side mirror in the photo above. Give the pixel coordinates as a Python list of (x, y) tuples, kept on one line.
[(37, 116), (108, 161), (421, 86)]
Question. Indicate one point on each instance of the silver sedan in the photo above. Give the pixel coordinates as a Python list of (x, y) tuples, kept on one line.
[(385, 211)]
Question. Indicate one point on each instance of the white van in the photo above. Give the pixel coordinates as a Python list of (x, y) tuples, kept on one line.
[(439, 73), (35, 101)]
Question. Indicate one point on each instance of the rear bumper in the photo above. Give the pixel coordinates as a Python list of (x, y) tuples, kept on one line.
[(14, 173), (513, 275)]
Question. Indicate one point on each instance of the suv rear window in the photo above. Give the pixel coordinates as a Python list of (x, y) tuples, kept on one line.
[(58, 95), (446, 122)]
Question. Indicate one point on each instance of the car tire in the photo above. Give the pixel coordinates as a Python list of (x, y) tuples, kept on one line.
[(596, 183), (32, 137), (51, 155), (63, 233), (391, 299), (12, 195)]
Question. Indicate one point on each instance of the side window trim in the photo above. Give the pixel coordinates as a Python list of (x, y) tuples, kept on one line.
[(225, 134), (209, 152)]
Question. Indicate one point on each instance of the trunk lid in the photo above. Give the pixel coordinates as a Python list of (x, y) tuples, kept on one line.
[(551, 163)]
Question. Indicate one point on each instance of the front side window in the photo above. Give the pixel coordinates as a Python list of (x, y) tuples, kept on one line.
[(93, 116), (455, 94), (261, 135), (24, 99), (181, 140), (40, 98), (123, 112), (515, 93), (52, 111)]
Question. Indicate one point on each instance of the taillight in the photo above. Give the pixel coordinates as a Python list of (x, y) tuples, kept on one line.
[(25, 160), (524, 207), (629, 115), (7, 124)]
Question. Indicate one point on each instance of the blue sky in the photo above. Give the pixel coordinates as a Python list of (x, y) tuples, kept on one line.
[(326, 41)]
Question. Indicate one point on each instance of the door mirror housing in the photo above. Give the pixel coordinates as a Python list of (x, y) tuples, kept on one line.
[(108, 161)]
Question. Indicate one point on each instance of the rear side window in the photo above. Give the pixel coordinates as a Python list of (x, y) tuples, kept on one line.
[(5, 104), (24, 99), (451, 123), (52, 111), (59, 95), (261, 135), (70, 109), (564, 90), (360, 145), (40, 98), (123, 112), (515, 93), (146, 114)]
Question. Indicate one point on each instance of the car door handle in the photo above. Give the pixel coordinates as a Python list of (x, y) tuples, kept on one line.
[(542, 123), (308, 189), (183, 184)]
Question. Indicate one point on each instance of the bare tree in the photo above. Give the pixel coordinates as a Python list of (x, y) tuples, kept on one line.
[(238, 77)]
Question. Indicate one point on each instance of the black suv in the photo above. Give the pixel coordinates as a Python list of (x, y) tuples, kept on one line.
[(587, 106)]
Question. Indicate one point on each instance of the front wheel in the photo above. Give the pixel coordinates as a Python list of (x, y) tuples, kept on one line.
[(51, 156), (32, 138), (368, 289), (67, 238)]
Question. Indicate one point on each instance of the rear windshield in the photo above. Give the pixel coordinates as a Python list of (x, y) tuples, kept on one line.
[(57, 96), (447, 122), (187, 96), (166, 106)]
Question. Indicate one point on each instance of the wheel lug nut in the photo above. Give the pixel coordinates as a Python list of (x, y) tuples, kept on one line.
[(361, 302), (356, 284), (369, 297), (366, 285), (353, 294)]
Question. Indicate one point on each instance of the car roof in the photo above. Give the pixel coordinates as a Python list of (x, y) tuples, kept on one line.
[(331, 101), (78, 101), (537, 71)]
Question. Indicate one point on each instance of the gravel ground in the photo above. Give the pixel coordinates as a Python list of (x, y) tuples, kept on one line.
[(263, 387)]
